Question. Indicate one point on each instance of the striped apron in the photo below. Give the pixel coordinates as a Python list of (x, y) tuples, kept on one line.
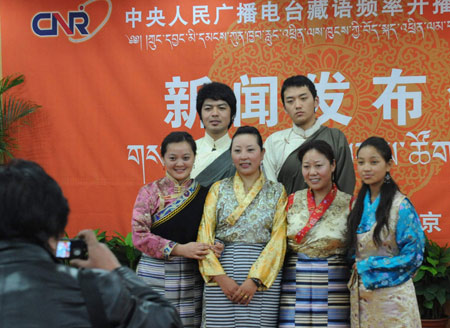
[(314, 292), (179, 280), (262, 311)]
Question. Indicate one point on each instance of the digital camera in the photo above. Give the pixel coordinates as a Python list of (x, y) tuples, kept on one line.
[(71, 249)]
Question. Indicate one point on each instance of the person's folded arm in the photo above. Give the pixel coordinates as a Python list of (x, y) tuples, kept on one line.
[(388, 271)]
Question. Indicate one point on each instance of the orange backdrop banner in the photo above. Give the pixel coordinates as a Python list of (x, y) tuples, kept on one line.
[(115, 76)]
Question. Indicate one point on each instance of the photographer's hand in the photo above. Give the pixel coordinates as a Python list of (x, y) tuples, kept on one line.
[(99, 257)]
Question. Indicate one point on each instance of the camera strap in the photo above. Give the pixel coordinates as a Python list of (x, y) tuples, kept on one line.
[(93, 299)]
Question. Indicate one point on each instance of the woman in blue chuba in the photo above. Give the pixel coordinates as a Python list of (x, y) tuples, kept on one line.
[(388, 242)]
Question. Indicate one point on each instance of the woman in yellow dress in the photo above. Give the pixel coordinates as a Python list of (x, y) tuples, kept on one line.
[(247, 213)]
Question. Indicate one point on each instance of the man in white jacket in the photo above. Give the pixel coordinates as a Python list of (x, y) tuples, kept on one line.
[(216, 107)]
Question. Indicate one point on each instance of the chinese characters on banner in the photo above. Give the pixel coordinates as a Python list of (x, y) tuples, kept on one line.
[(203, 16)]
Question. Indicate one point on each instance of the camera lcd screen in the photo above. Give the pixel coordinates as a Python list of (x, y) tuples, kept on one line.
[(71, 249), (63, 249)]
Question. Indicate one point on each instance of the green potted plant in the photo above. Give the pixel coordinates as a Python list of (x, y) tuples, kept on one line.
[(432, 283), (12, 112), (122, 247)]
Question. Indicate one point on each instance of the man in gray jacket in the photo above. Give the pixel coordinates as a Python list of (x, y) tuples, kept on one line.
[(281, 162), (37, 291)]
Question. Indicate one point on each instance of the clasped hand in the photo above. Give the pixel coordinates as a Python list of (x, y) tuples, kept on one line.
[(242, 294)]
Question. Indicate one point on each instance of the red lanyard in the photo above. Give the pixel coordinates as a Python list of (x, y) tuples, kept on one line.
[(315, 212)]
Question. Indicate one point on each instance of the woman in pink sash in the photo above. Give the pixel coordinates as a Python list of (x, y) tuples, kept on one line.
[(314, 291), (165, 222)]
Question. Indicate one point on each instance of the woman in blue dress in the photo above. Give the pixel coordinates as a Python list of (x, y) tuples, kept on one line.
[(388, 241)]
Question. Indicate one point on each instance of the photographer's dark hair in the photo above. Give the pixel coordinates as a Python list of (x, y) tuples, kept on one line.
[(248, 130), (217, 91), (298, 81), (175, 137), (32, 205), (387, 193), (322, 147)]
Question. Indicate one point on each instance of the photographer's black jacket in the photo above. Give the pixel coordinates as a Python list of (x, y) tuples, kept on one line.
[(35, 291)]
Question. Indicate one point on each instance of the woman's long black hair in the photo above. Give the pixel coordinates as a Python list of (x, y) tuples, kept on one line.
[(387, 192)]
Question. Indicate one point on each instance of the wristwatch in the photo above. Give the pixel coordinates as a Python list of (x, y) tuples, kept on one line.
[(257, 282)]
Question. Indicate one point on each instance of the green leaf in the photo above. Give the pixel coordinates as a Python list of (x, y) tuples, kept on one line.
[(429, 296), (129, 239), (433, 271), (440, 295), (432, 261), (428, 304), (101, 236), (130, 254), (9, 82), (445, 259), (433, 250), (446, 251), (419, 275), (441, 269), (119, 234), (12, 113), (115, 241)]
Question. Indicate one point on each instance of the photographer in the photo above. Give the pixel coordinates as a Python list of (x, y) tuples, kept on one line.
[(37, 291)]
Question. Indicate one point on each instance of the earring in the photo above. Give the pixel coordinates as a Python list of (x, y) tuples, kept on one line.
[(387, 178)]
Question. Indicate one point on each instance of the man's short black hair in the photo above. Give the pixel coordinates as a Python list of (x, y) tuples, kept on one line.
[(32, 205), (298, 81), (216, 91)]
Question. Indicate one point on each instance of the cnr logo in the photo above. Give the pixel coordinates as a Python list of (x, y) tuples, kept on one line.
[(76, 21)]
